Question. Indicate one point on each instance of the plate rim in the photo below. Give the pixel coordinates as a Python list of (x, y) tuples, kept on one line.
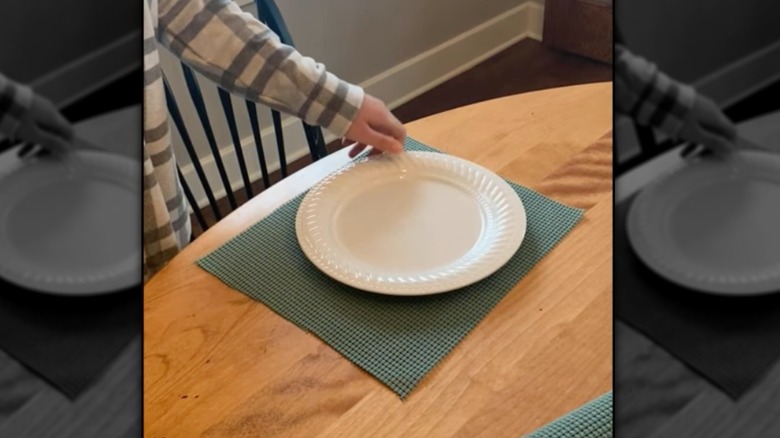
[(400, 289), (112, 284), (635, 232)]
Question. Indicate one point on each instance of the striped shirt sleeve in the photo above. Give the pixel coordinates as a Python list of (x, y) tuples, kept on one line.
[(15, 100), (243, 56), (166, 222), (648, 95)]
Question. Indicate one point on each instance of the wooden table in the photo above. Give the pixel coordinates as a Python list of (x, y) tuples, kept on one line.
[(110, 407), (217, 363), (659, 396)]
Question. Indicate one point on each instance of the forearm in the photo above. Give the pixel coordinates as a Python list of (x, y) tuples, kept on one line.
[(15, 101), (243, 56), (648, 95)]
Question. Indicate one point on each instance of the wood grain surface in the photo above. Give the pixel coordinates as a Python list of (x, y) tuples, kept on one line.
[(217, 363)]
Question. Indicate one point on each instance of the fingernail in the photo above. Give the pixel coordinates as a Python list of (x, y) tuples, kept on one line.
[(24, 150), (688, 150)]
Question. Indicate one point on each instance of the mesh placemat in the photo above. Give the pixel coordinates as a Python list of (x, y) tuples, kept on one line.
[(731, 342), (69, 341), (396, 339), (592, 420)]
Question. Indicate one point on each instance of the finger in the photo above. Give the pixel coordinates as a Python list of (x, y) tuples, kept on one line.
[(391, 126), (63, 127), (374, 151), (729, 128), (33, 151), (689, 150), (725, 125), (715, 142), (50, 119), (697, 135), (53, 143), (365, 134), (721, 125), (25, 151), (42, 152), (356, 150), (62, 132), (346, 141), (712, 119), (384, 142)]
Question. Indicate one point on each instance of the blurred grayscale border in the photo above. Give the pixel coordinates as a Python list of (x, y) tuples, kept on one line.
[(728, 51), (85, 56)]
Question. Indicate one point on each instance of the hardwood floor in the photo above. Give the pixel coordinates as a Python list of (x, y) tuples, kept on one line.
[(526, 66), (763, 101), (125, 91)]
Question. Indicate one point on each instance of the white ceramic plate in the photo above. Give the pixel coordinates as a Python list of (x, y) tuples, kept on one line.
[(417, 223), (72, 227), (713, 226)]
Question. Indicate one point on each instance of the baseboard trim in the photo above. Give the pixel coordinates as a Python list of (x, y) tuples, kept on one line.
[(441, 63), (395, 86), (742, 77), (91, 72)]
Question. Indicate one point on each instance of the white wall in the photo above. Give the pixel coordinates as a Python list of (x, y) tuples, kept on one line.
[(727, 48), (360, 39), (68, 49), (395, 49)]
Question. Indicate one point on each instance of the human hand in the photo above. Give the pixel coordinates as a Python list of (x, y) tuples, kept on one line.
[(44, 125), (706, 124), (377, 127)]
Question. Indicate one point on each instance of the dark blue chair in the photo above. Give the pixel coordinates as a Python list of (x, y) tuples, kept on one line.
[(269, 14)]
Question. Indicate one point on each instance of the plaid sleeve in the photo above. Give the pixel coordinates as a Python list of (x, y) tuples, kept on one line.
[(166, 222), (15, 100), (243, 56), (648, 95)]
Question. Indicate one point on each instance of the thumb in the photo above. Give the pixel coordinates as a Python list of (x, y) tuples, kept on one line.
[(63, 127), (720, 125), (49, 118), (391, 126), (384, 142), (52, 142), (716, 142)]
